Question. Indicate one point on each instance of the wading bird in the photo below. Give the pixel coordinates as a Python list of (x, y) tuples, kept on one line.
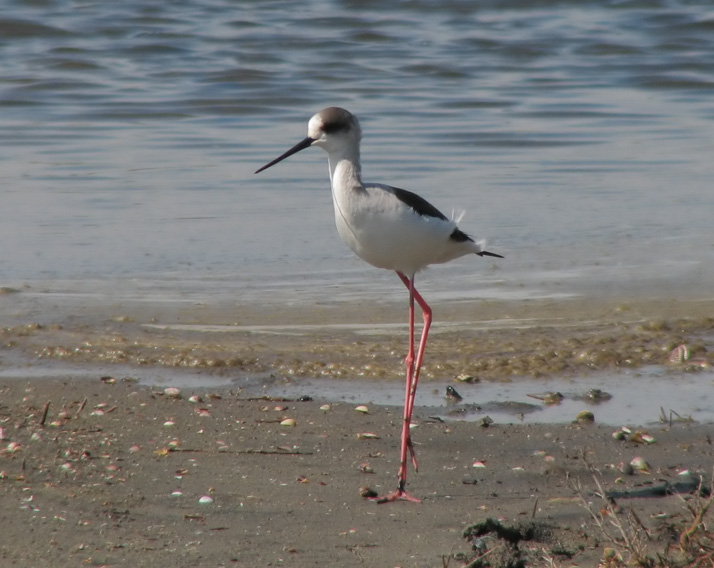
[(389, 228)]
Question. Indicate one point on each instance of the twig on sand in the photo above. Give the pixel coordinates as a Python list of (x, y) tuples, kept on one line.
[(45, 410), (81, 407)]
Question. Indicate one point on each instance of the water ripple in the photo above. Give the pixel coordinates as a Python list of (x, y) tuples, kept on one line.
[(556, 122)]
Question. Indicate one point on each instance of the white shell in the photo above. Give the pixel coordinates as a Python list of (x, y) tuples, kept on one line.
[(172, 392)]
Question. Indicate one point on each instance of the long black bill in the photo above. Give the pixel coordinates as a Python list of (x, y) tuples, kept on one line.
[(307, 142), (486, 253)]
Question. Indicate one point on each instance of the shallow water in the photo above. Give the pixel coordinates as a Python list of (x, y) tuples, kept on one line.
[(502, 366), (647, 397), (577, 139), (688, 397)]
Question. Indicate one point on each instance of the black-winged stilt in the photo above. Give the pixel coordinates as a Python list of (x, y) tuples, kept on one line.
[(388, 228)]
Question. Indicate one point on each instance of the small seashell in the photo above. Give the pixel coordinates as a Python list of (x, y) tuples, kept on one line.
[(176, 494), (467, 378), (368, 493), (205, 500), (203, 412), (135, 448), (679, 354), (195, 399), (553, 398), (325, 407), (169, 423), (640, 464), (548, 397), (367, 436), (13, 447), (452, 395), (619, 435), (174, 444), (280, 408), (288, 422), (66, 467), (365, 468), (597, 395), (362, 408), (479, 464), (97, 412), (585, 417), (640, 437), (172, 392)]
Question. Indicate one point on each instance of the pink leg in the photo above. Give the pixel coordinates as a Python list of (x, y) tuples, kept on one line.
[(413, 366), (426, 311)]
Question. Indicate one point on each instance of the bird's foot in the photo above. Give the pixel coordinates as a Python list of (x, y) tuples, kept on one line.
[(398, 495)]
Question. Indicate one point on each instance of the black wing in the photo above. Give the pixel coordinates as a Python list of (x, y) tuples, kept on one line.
[(418, 204), (422, 207)]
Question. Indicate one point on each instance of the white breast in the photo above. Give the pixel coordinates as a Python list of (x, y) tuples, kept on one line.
[(385, 232)]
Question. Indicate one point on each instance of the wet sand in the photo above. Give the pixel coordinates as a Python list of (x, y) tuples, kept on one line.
[(493, 341), (648, 354), (113, 474)]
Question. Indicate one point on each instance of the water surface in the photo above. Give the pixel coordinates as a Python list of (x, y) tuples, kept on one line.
[(576, 138)]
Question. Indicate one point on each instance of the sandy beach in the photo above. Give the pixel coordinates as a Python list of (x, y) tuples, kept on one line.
[(102, 464), (106, 472)]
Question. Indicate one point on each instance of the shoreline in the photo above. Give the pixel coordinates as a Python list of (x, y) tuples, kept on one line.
[(501, 356)]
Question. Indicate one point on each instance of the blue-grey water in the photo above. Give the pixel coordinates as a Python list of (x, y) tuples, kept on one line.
[(578, 138)]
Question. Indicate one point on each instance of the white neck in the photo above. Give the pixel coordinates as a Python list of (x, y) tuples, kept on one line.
[(345, 171)]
